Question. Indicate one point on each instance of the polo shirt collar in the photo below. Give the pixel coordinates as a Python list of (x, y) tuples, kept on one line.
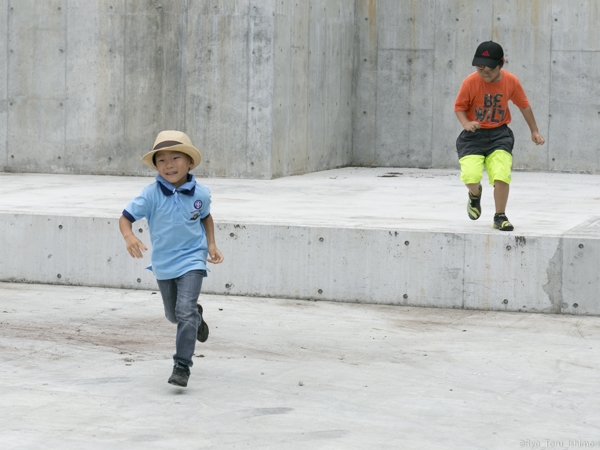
[(169, 189)]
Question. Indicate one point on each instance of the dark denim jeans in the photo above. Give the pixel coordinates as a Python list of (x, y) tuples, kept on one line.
[(180, 297)]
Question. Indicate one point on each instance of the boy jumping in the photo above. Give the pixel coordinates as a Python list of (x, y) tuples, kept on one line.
[(482, 109), (182, 233)]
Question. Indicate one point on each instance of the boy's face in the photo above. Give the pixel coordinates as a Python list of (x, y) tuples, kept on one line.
[(488, 74), (173, 166)]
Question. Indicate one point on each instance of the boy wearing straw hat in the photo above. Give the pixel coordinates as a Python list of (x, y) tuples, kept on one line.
[(183, 240)]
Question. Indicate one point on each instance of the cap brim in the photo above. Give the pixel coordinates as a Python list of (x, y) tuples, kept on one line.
[(189, 150), (491, 63)]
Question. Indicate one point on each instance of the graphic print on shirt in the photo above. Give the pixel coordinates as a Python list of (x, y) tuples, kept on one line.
[(196, 213), (492, 110)]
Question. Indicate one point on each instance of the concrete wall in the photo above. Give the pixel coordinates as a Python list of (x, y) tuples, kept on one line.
[(263, 86), (277, 87), (412, 56), (504, 272), (313, 70)]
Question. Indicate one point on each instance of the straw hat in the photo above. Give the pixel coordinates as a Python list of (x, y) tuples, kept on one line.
[(175, 141)]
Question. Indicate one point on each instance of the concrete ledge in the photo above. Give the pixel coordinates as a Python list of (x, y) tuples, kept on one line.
[(504, 272)]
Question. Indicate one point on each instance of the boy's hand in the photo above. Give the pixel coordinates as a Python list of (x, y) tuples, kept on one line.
[(537, 138), (214, 255), (135, 247), (472, 126)]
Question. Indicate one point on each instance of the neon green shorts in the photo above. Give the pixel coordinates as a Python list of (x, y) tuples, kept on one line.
[(497, 164)]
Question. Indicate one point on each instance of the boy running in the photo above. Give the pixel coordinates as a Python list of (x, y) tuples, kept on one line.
[(182, 233), (482, 109)]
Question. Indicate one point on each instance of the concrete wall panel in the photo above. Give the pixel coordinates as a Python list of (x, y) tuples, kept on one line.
[(339, 54), (346, 88), (36, 85), (282, 94), (152, 75), (96, 104), (317, 67), (580, 281), (365, 83), (575, 111), (297, 146), (574, 89), (500, 272), (217, 109), (333, 151), (581, 277), (575, 25), (406, 25), (405, 91), (404, 107), (260, 96), (36, 134), (64, 253), (37, 46), (312, 124)]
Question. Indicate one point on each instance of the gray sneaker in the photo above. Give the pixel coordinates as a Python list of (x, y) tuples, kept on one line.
[(180, 375), (202, 334)]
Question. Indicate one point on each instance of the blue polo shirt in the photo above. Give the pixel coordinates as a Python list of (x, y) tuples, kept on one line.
[(174, 218)]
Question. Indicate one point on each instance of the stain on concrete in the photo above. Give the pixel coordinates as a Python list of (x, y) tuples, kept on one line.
[(327, 434), (553, 288), (520, 241), (270, 411)]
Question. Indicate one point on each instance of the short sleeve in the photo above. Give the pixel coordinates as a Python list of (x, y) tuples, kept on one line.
[(205, 208), (463, 99), (519, 97), (138, 208)]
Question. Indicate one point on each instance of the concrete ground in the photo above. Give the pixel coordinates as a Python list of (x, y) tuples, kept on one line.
[(87, 368)]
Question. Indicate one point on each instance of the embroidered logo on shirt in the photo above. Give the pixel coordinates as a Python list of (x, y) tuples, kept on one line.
[(195, 214)]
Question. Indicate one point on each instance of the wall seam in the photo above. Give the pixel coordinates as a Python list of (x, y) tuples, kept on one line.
[(432, 12), (6, 137), (66, 88), (125, 116), (376, 87), (183, 64), (549, 113), (308, 80), (248, 87)]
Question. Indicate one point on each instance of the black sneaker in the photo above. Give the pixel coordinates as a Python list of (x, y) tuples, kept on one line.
[(202, 334), (474, 205), (180, 375), (501, 222)]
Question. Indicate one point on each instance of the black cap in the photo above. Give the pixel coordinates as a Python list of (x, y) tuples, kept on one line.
[(488, 54)]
